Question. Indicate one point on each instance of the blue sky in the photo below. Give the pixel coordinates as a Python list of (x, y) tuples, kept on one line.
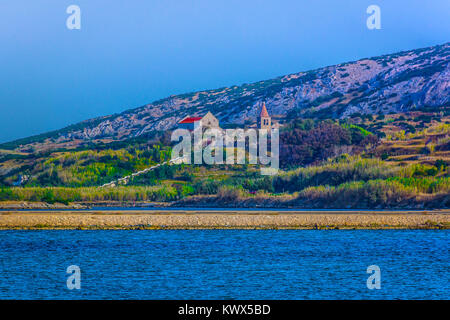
[(129, 53)]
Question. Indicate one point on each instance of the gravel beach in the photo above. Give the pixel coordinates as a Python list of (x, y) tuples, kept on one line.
[(217, 219)]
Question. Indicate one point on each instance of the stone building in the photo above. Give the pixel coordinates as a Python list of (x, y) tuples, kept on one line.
[(264, 120), (192, 123)]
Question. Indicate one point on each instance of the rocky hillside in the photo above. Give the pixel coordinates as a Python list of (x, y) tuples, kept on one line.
[(390, 83)]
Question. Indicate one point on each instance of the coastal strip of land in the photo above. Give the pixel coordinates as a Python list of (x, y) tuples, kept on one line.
[(224, 219)]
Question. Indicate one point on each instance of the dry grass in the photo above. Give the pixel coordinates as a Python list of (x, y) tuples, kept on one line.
[(412, 145)]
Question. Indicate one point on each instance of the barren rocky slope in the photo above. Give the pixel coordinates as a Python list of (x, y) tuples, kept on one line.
[(389, 83)]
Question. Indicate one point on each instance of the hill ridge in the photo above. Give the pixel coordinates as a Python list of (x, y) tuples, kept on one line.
[(396, 82)]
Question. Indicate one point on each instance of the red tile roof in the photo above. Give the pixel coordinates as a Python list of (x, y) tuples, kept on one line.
[(264, 112), (190, 119)]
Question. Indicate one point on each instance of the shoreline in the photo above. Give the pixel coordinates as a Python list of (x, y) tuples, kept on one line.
[(216, 219), (197, 205)]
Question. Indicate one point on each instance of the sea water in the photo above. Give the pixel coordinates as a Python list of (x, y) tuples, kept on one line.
[(224, 264)]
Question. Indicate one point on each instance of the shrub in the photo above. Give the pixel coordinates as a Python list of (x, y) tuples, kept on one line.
[(230, 193), (300, 147), (359, 194), (335, 173), (89, 194)]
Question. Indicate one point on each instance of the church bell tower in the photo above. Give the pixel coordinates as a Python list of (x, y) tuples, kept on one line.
[(264, 120)]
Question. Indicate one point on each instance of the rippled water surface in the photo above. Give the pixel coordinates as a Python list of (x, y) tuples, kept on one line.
[(225, 264)]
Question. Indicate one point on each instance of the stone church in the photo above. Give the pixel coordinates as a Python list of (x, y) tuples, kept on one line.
[(264, 120), (206, 121)]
